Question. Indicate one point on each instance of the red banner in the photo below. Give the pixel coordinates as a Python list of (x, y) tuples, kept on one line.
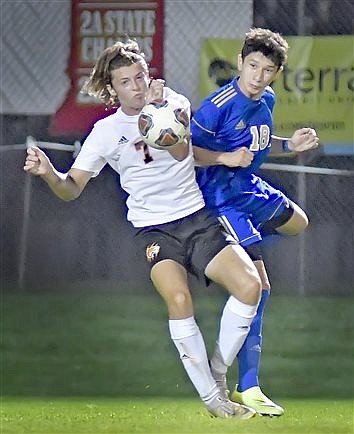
[(95, 25)]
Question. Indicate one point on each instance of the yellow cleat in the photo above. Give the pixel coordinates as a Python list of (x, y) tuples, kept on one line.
[(257, 400)]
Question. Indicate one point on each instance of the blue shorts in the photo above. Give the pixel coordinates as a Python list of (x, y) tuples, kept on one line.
[(251, 209)]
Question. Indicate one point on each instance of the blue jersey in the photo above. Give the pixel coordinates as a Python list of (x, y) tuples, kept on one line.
[(228, 120)]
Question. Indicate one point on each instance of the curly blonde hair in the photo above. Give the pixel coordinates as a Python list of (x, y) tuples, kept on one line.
[(270, 44), (122, 53)]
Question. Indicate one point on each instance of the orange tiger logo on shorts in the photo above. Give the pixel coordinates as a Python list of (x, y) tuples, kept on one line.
[(152, 250)]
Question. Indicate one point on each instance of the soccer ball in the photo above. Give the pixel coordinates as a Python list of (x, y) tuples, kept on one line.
[(163, 124)]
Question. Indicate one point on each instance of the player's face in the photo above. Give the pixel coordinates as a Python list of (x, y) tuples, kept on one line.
[(256, 73), (131, 84)]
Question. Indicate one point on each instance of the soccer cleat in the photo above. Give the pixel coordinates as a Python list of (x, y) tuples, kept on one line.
[(257, 400), (243, 411), (221, 407)]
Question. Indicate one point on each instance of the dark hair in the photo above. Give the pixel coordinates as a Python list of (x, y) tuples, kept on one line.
[(270, 44)]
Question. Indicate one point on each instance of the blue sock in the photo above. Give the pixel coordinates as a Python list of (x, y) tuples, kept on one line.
[(250, 354)]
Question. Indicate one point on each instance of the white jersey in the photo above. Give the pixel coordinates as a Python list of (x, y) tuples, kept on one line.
[(160, 188)]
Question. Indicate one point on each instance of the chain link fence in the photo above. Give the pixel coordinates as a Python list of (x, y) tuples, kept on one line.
[(305, 17), (49, 244), (187, 23), (34, 46)]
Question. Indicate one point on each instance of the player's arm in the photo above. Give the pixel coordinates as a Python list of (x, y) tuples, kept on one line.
[(302, 140), (241, 157), (180, 151), (204, 128), (67, 186)]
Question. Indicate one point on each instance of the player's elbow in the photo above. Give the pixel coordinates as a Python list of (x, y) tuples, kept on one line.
[(67, 196), (68, 190), (70, 198)]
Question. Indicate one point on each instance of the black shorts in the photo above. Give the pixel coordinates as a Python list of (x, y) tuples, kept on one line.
[(192, 241)]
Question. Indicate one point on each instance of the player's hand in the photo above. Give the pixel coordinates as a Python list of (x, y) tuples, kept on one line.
[(155, 92), (36, 162), (180, 151), (303, 139), (242, 157)]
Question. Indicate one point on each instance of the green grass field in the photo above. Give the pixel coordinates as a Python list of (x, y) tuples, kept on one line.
[(103, 363), (166, 415)]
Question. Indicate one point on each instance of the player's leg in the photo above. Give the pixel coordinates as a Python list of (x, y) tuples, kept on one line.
[(239, 225), (287, 219), (279, 215), (170, 280), (165, 256), (271, 211), (248, 391), (233, 269), (250, 354), (229, 266), (296, 223)]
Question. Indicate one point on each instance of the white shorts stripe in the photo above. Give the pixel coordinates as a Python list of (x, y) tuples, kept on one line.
[(228, 227)]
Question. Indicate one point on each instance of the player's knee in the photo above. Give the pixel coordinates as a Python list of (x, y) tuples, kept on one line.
[(248, 288), (259, 264), (264, 277), (255, 253), (303, 221), (266, 285), (179, 303), (253, 289)]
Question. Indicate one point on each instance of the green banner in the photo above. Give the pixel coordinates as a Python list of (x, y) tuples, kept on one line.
[(315, 88)]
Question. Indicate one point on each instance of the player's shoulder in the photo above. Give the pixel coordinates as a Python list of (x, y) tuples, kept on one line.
[(107, 120), (223, 96), (217, 103), (269, 96), (106, 129), (269, 93)]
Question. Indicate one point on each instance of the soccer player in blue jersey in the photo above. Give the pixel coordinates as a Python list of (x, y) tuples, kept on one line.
[(232, 136)]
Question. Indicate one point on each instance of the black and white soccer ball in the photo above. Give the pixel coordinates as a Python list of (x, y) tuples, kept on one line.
[(163, 124)]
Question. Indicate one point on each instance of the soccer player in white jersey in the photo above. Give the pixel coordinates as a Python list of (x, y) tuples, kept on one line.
[(173, 231), (232, 136)]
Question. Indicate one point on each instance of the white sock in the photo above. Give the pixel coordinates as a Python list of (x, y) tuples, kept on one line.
[(189, 342), (234, 326)]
